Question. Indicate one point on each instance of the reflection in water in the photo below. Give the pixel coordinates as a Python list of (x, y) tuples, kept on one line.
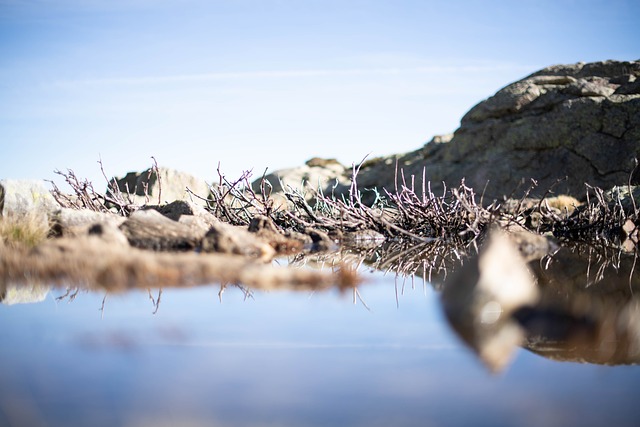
[(590, 310), (22, 294), (572, 302), (584, 308), (482, 296), (254, 357), (575, 303)]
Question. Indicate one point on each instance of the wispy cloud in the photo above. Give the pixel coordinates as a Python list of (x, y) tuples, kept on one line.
[(288, 74)]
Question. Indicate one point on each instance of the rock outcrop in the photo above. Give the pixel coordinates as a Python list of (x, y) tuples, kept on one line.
[(580, 122), (575, 123)]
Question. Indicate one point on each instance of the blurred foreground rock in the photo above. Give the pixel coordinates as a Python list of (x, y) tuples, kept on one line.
[(480, 298), (590, 307), (72, 222), (575, 304)]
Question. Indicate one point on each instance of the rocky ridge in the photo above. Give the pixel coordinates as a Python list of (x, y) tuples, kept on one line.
[(563, 127)]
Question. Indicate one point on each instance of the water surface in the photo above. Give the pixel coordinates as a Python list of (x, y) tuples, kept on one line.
[(281, 358)]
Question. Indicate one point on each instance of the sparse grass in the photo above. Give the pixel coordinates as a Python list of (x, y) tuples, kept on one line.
[(25, 231)]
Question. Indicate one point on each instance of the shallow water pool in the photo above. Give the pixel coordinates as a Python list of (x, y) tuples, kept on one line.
[(385, 357)]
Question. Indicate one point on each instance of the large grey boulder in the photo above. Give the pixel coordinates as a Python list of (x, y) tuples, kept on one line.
[(580, 122), (152, 188)]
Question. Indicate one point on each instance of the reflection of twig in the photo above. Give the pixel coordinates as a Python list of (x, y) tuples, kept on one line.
[(223, 286), (395, 285), (102, 306), (357, 296), (247, 292), (155, 301), (630, 187), (424, 277), (599, 257), (69, 295), (402, 257), (633, 267)]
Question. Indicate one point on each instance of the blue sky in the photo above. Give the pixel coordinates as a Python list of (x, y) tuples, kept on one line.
[(255, 84)]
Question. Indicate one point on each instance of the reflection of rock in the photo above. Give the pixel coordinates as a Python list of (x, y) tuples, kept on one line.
[(594, 293), (22, 294), (91, 262), (479, 299), (583, 308), (602, 332)]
